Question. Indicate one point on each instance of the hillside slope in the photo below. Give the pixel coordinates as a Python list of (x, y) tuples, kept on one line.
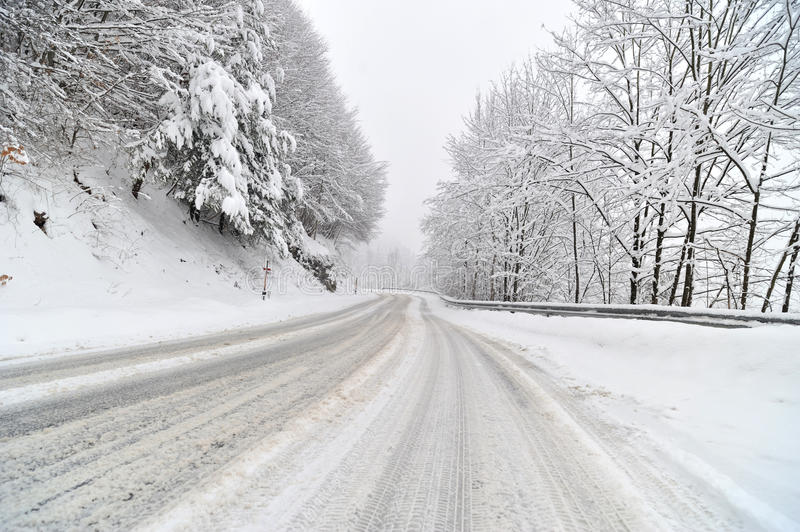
[(107, 269)]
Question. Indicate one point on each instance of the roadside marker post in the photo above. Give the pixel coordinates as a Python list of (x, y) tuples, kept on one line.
[(267, 269)]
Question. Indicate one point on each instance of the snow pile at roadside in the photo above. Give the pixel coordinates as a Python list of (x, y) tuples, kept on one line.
[(722, 403), (106, 269)]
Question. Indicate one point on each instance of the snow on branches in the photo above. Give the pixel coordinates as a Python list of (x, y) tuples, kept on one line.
[(187, 89), (649, 157)]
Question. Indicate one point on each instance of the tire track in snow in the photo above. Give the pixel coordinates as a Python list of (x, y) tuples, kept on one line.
[(108, 470), (388, 419), (670, 500), (51, 410), (466, 440), (17, 372)]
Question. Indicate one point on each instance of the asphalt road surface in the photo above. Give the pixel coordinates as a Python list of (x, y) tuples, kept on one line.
[(379, 416)]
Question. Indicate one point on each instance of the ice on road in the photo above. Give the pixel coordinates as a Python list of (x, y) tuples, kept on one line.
[(381, 416)]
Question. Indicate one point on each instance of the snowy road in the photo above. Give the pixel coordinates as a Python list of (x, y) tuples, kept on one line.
[(380, 416)]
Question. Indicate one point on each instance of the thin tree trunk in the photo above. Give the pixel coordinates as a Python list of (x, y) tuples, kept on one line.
[(727, 277), (474, 280), (748, 255), (677, 279), (751, 235), (491, 279), (660, 232), (575, 252), (505, 280), (610, 268), (792, 241), (757, 193), (790, 280), (688, 281), (635, 261)]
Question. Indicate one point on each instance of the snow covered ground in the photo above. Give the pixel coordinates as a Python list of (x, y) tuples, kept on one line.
[(385, 414), (380, 416), (109, 270), (722, 403)]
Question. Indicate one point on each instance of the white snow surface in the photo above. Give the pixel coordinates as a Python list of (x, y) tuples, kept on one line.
[(236, 482), (112, 270), (723, 404)]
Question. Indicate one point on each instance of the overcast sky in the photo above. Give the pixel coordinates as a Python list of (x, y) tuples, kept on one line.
[(413, 67)]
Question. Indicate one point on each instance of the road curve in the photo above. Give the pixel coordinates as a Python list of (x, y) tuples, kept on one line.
[(382, 416)]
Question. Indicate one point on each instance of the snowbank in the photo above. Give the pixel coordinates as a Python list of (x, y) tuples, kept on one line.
[(107, 270), (29, 331), (722, 403)]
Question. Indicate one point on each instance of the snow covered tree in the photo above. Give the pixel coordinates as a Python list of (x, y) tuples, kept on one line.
[(651, 152), (196, 93), (217, 145), (343, 183)]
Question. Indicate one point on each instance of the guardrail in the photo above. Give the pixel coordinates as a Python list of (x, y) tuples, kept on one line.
[(699, 316)]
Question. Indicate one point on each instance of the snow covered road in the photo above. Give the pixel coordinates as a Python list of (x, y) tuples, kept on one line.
[(380, 416)]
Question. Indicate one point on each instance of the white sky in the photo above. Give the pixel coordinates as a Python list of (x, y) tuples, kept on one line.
[(413, 67)]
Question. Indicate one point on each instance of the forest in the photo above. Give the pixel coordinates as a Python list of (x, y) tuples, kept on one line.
[(229, 106), (650, 156)]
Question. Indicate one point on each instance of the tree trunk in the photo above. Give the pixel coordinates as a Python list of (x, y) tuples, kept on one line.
[(688, 281), (474, 280), (505, 280), (137, 187), (748, 255), (660, 232), (677, 279), (464, 291), (792, 241), (790, 280), (635, 260), (491, 279), (575, 252), (751, 235), (194, 213)]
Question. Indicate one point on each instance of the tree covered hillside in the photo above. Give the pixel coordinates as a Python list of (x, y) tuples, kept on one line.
[(229, 106)]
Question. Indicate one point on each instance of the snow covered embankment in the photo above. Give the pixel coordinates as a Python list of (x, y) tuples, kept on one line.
[(722, 404), (107, 270)]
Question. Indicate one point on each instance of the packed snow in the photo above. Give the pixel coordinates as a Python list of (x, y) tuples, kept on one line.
[(721, 403)]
